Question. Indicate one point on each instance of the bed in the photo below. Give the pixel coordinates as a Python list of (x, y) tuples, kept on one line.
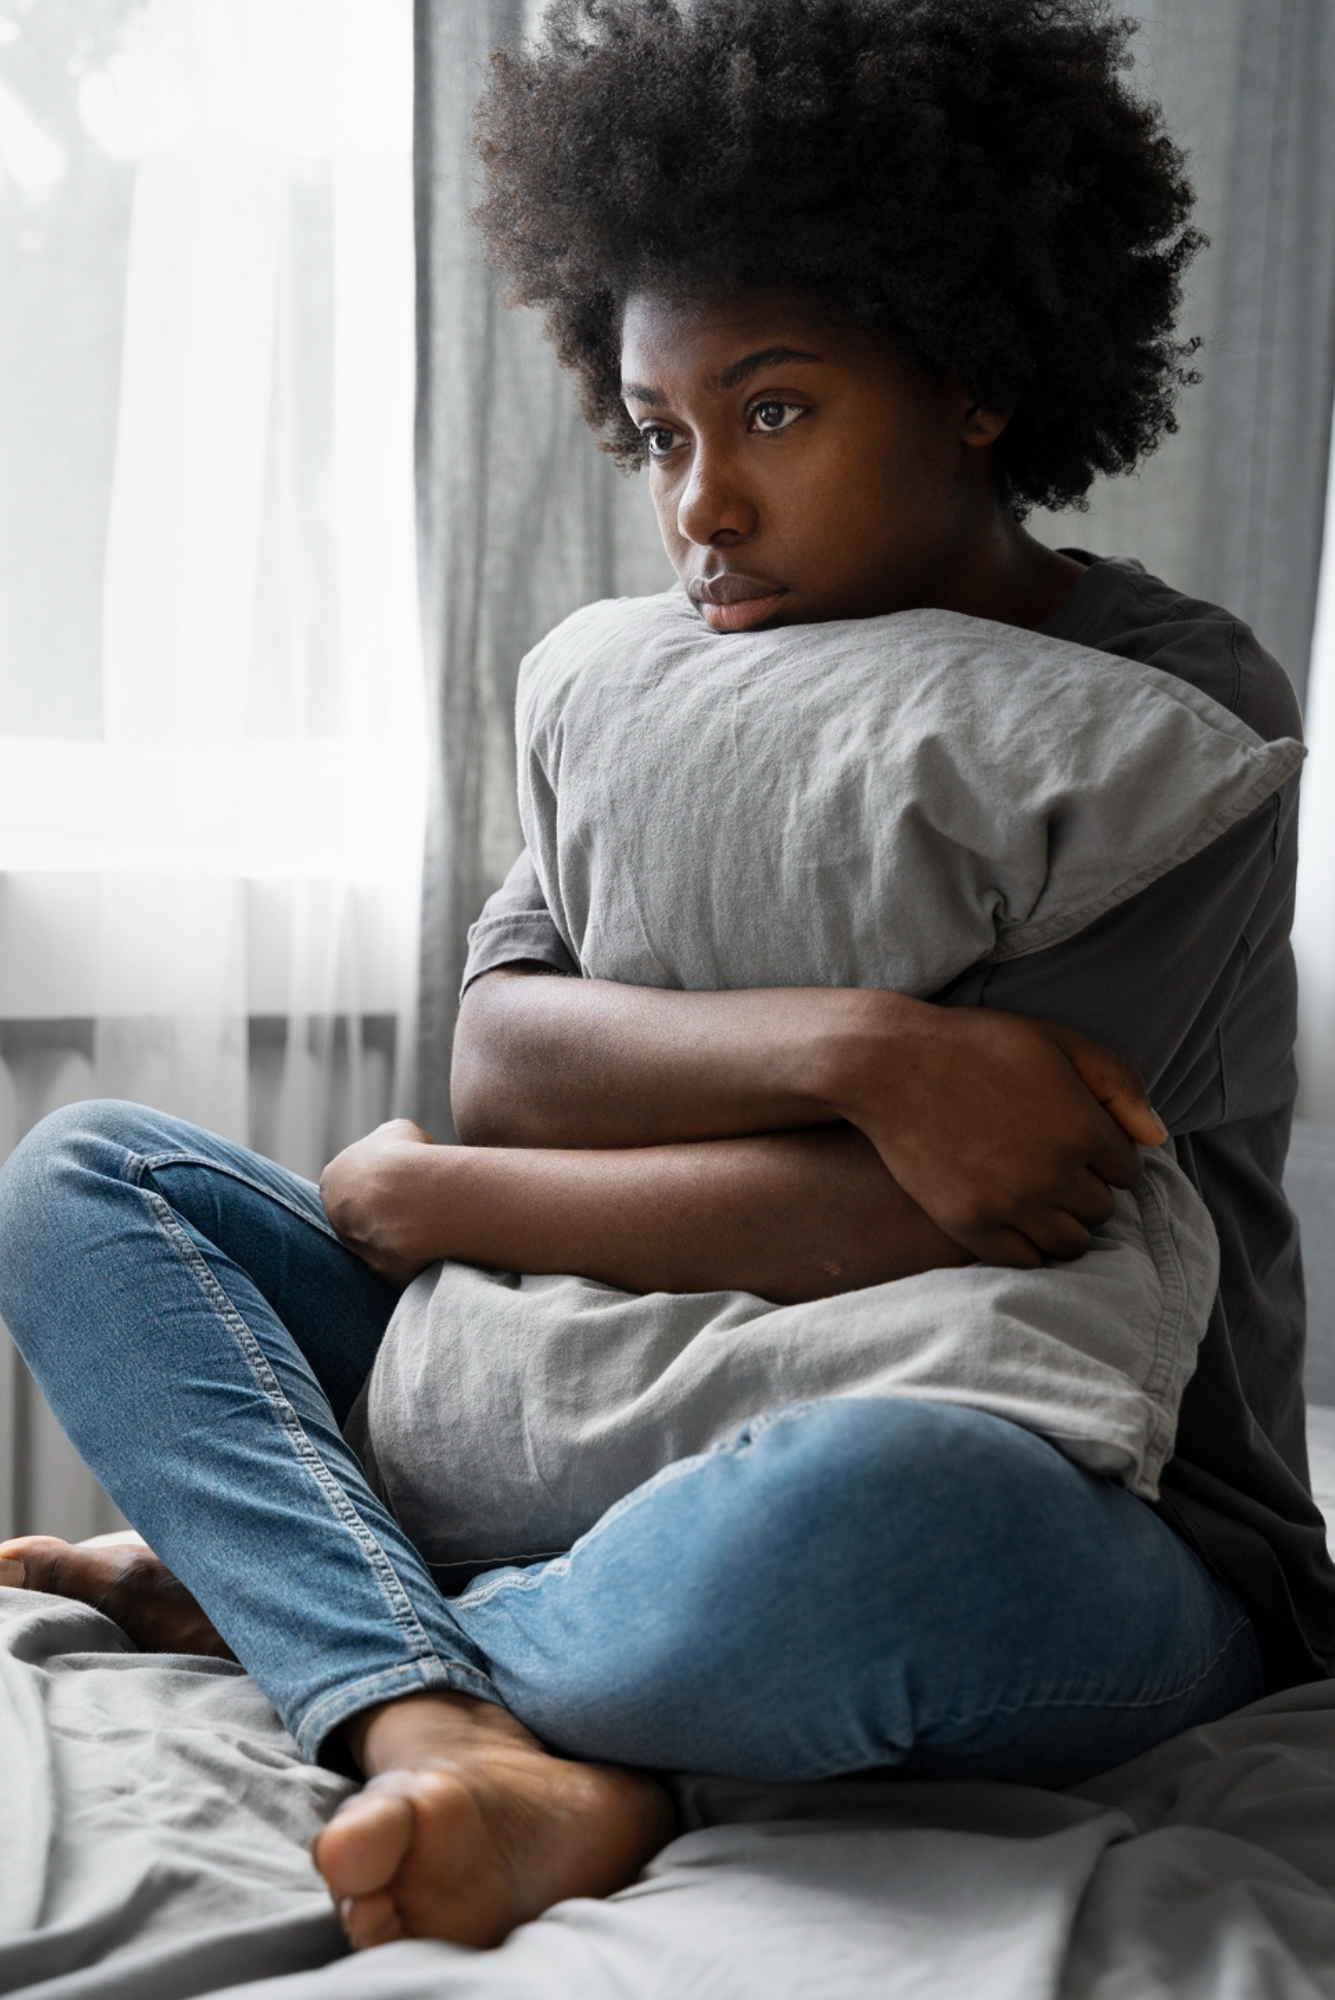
[(153, 1844)]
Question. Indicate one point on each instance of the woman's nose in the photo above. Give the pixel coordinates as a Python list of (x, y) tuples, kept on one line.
[(714, 509)]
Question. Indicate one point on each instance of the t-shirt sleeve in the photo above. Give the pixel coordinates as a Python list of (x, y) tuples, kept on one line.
[(516, 927), (1191, 980)]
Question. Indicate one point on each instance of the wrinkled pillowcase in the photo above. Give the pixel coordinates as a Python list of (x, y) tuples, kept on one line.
[(874, 802)]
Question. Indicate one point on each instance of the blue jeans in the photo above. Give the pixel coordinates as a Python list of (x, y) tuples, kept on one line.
[(841, 1586)]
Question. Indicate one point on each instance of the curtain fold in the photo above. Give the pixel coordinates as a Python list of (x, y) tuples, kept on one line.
[(520, 519), (1231, 508)]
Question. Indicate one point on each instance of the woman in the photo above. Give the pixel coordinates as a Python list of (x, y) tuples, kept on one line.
[(862, 281)]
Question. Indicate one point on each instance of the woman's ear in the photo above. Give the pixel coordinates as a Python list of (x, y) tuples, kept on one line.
[(983, 426)]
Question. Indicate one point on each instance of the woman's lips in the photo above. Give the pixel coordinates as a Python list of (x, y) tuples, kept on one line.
[(735, 603)]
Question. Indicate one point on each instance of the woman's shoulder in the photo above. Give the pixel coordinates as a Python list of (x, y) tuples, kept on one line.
[(1118, 606)]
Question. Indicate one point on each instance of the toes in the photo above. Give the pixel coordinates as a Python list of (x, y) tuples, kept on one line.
[(62, 1569), (35, 1558), (465, 1850), (366, 1843), (370, 1920), (124, 1580)]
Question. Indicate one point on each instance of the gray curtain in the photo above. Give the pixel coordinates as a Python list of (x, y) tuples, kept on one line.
[(521, 519), (1232, 507)]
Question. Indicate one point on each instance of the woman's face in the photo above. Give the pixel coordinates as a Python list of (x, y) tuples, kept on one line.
[(802, 468)]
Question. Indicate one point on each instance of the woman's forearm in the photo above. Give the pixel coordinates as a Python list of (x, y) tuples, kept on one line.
[(546, 1061), (789, 1217), (1009, 1132)]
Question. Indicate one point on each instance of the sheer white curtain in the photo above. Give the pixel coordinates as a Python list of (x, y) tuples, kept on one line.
[(211, 764)]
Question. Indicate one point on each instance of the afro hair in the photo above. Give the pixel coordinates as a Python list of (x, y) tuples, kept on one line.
[(974, 176)]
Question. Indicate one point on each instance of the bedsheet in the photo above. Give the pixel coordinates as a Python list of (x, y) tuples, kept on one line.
[(156, 1821)]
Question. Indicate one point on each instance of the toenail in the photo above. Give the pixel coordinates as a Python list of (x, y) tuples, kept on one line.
[(13, 1574)]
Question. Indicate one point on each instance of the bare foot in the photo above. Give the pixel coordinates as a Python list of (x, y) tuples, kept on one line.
[(469, 1827), (122, 1578)]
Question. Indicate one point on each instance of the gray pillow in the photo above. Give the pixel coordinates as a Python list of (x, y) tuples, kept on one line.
[(875, 802), (882, 802)]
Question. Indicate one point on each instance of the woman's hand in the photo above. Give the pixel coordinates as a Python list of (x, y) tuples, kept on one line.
[(1009, 1133), (370, 1194)]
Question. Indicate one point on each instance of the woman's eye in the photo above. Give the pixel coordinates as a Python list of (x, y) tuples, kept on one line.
[(658, 440), (772, 416)]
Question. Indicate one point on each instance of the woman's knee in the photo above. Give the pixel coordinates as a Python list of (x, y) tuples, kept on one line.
[(92, 1134), (62, 1156), (77, 1135)]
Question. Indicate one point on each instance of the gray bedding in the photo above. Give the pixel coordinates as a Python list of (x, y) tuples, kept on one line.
[(154, 1842)]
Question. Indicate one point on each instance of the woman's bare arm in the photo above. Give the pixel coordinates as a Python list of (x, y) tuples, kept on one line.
[(790, 1216), (1008, 1132), (541, 1060)]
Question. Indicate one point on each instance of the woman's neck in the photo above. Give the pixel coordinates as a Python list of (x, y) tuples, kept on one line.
[(1000, 571)]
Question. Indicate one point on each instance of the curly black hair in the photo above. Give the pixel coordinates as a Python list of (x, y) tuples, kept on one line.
[(974, 176)]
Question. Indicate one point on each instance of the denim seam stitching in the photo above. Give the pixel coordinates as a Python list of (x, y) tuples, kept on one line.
[(397, 1601), (325, 1715), (152, 1162)]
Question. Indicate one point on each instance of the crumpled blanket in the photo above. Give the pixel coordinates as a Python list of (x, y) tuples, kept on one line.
[(883, 802), (154, 1847)]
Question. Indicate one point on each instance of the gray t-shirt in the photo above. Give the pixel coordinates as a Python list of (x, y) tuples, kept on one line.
[(1193, 981)]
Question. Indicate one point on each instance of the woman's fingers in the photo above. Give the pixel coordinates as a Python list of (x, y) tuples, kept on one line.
[(1087, 1197), (1058, 1234), (1116, 1085), (1007, 1131), (1020, 1231), (1050, 1233), (1006, 1247)]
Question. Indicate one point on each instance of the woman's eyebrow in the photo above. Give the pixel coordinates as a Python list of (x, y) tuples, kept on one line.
[(738, 372), (730, 377)]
